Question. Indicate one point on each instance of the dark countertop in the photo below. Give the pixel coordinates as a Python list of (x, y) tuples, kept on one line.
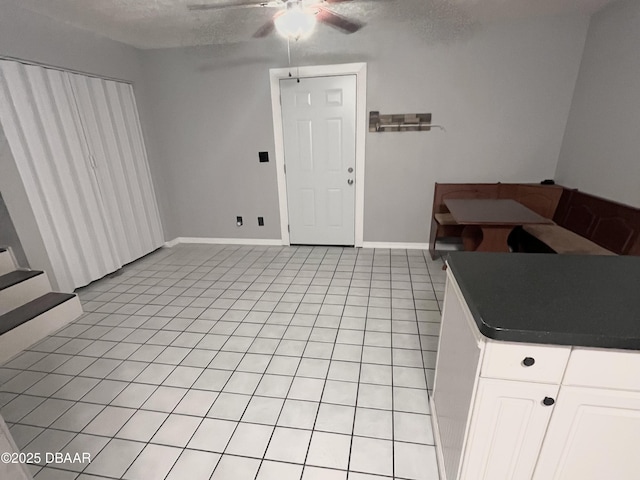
[(579, 300)]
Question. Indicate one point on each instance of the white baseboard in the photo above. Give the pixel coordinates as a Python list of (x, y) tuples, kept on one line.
[(225, 241), (278, 242), (172, 243), (396, 245)]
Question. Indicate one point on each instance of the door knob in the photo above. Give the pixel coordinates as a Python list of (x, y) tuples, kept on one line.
[(350, 182)]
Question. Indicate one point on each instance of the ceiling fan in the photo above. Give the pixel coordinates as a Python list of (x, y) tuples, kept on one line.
[(295, 18)]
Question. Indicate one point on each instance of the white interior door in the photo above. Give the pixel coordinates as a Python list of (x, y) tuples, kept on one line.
[(319, 128)]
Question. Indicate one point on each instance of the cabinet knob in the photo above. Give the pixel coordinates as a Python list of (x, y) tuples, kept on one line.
[(528, 361), (548, 401)]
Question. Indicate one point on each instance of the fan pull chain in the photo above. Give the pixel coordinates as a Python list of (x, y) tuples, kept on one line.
[(289, 56)]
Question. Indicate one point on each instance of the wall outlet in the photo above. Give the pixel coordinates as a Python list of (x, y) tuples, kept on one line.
[(261, 221), (263, 156), (238, 221)]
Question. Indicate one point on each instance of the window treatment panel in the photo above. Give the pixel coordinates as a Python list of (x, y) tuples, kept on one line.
[(78, 145), (115, 139), (44, 132)]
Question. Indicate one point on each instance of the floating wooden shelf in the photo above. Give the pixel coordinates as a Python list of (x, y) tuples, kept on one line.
[(402, 122)]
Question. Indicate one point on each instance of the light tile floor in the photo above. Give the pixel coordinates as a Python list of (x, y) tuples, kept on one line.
[(244, 363)]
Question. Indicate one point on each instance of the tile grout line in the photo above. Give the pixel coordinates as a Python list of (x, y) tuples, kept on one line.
[(138, 409), (258, 384), (355, 407), (393, 412), (196, 273), (148, 442), (291, 385), (221, 391), (330, 361)]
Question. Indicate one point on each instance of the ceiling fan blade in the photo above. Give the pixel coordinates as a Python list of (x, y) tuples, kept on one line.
[(337, 21), (265, 30), (245, 4)]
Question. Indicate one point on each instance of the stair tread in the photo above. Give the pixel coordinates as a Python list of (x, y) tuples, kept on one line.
[(12, 278), (32, 309)]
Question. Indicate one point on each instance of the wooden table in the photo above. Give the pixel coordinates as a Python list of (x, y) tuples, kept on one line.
[(489, 222)]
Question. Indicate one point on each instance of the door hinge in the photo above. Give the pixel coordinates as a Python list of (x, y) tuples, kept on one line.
[(289, 228), (92, 161), (285, 169)]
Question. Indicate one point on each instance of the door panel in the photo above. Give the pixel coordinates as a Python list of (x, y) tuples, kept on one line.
[(334, 144), (334, 207), (508, 425), (308, 207), (319, 120), (594, 434), (305, 146)]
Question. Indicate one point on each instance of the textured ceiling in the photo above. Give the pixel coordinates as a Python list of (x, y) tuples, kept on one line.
[(168, 23)]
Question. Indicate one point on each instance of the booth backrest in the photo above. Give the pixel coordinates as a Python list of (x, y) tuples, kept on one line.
[(612, 225), (542, 199)]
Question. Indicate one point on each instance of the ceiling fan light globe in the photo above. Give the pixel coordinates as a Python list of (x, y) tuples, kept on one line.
[(295, 23)]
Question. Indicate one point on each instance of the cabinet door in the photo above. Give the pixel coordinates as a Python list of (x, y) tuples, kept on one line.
[(594, 434), (508, 424)]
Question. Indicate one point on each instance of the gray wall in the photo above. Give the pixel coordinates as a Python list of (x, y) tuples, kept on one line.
[(35, 38), (601, 149), (9, 236), (503, 91), (30, 36), (17, 203)]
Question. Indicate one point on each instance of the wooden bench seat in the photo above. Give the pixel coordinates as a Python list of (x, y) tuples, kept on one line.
[(564, 241), (444, 219)]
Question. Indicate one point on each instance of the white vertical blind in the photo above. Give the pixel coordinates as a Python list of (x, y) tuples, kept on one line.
[(141, 163), (109, 113), (78, 146)]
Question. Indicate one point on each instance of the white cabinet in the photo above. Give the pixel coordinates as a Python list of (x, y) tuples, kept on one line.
[(488, 402), (509, 421), (594, 434), (524, 361), (492, 421)]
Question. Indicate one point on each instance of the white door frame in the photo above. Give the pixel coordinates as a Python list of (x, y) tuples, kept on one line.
[(360, 71)]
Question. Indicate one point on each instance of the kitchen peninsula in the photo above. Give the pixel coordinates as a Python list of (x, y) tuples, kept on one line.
[(538, 370)]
